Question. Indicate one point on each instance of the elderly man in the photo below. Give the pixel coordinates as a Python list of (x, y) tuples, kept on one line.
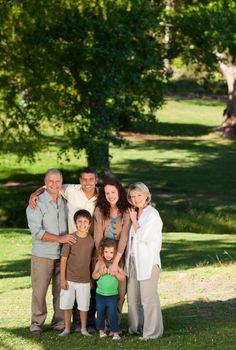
[(48, 226), (78, 196)]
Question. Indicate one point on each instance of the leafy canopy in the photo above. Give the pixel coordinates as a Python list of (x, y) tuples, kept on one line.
[(80, 66)]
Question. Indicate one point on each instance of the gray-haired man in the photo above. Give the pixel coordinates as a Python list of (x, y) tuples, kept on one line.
[(48, 226)]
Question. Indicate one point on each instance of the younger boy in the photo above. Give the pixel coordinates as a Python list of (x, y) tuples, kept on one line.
[(75, 272)]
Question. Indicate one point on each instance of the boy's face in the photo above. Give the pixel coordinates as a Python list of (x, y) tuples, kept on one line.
[(82, 224), (108, 253)]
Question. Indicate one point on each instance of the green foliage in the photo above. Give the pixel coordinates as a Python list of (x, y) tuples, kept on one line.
[(200, 29), (81, 65)]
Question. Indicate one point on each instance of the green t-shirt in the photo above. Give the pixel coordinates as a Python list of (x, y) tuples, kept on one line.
[(107, 285)]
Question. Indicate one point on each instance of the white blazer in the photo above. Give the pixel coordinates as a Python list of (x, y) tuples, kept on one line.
[(147, 242)]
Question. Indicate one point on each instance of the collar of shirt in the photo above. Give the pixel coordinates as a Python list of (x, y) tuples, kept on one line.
[(49, 198)]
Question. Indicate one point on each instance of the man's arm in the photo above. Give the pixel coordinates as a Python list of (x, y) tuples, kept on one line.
[(34, 217), (34, 196), (50, 237)]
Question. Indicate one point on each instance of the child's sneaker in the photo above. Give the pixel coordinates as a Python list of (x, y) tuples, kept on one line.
[(102, 334), (64, 333), (116, 337), (85, 332)]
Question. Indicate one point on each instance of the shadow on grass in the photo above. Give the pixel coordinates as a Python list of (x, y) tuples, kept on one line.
[(178, 129), (201, 324), (187, 254), (14, 269), (198, 315), (191, 166)]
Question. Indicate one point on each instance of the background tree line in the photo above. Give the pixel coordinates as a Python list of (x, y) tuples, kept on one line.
[(88, 69)]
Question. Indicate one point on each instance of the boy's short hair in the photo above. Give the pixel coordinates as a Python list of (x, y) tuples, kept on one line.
[(82, 213)]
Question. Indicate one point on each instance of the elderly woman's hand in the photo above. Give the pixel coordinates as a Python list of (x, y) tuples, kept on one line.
[(132, 214), (134, 219)]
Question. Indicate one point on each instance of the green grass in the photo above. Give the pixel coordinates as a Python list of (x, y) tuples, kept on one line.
[(189, 168), (197, 291)]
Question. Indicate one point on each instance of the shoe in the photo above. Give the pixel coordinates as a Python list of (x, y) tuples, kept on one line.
[(65, 333), (143, 338), (133, 332), (91, 330), (85, 332), (77, 330), (102, 334), (116, 337)]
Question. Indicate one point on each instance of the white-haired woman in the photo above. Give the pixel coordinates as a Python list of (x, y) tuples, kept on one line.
[(143, 264)]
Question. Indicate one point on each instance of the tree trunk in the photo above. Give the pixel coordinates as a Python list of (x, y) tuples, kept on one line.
[(98, 157), (97, 149), (228, 126)]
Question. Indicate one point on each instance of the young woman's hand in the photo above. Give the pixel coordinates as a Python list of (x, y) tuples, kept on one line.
[(103, 268), (113, 268)]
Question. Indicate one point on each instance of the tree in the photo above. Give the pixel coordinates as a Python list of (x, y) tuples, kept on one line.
[(203, 32), (78, 66)]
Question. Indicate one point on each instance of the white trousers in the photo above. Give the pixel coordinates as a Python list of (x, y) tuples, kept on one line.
[(144, 309)]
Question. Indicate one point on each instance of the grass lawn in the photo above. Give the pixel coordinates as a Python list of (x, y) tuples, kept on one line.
[(197, 291), (189, 168)]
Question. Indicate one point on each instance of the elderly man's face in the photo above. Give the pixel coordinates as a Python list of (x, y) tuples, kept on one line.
[(53, 183)]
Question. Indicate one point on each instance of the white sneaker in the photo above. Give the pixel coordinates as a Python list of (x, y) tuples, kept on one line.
[(64, 333), (102, 334), (116, 337), (85, 332)]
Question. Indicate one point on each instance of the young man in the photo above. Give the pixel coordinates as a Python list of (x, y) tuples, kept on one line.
[(48, 226), (81, 196)]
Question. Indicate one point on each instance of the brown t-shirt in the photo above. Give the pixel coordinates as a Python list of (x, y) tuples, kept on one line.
[(79, 257)]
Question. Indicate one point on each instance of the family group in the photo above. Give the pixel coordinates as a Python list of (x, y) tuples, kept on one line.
[(95, 244)]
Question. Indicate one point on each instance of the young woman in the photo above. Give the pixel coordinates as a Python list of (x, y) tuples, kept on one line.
[(143, 265), (112, 220)]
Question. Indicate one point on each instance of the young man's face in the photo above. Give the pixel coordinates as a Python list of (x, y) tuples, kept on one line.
[(88, 182), (53, 183), (82, 224)]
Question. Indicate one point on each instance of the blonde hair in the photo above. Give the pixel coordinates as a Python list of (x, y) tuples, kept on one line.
[(140, 187)]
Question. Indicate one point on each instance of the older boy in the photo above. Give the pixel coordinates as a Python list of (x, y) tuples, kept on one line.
[(75, 272)]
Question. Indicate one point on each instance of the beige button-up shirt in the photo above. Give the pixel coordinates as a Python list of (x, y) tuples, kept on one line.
[(76, 200)]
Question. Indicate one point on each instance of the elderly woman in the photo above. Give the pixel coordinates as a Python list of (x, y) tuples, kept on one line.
[(112, 220), (143, 264)]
